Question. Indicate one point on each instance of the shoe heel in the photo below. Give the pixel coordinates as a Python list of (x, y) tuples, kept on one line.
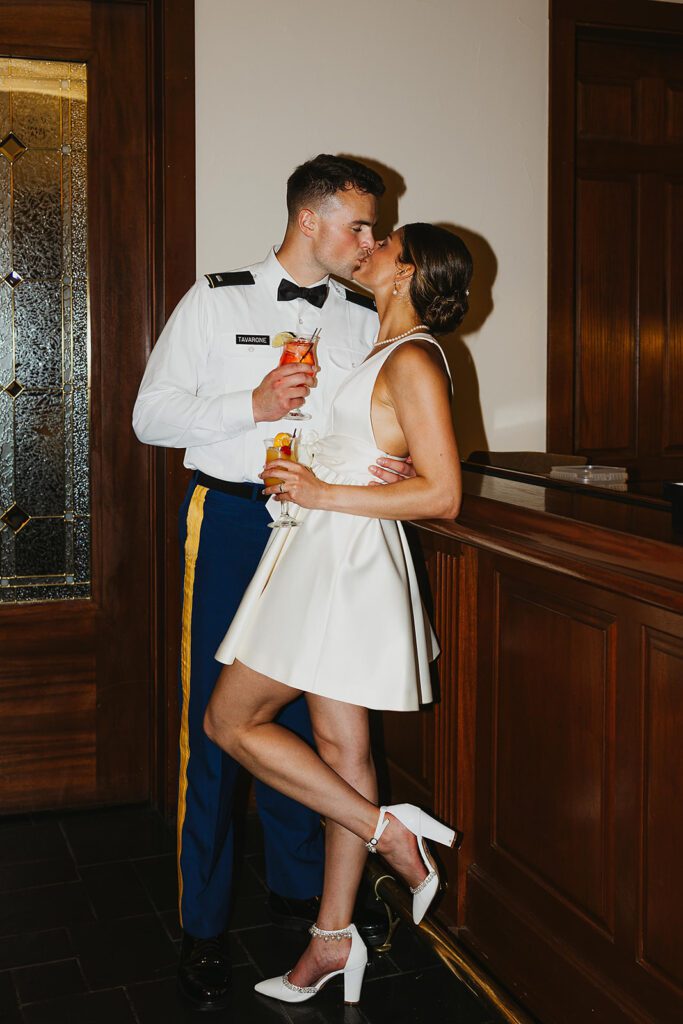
[(353, 983), (434, 830)]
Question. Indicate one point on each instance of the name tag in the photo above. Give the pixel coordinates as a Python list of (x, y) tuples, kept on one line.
[(252, 339)]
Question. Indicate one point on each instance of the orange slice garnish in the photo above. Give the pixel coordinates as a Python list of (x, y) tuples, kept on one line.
[(282, 440)]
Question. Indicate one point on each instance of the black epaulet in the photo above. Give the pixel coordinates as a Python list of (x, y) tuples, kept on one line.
[(233, 277), (360, 300)]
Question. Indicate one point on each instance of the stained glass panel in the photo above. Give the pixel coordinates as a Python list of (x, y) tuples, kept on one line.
[(38, 334), (39, 464), (44, 333), (37, 215)]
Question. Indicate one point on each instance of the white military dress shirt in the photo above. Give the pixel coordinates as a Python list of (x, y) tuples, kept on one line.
[(217, 347)]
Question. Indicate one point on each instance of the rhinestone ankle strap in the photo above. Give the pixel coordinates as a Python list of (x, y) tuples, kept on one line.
[(320, 933)]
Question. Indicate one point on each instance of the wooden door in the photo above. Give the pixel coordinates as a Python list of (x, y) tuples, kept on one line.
[(616, 314), (79, 651)]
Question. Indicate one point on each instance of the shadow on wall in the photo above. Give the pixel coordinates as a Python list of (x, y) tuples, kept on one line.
[(467, 416)]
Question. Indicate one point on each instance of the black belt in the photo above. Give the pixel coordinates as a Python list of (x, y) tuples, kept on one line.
[(252, 492)]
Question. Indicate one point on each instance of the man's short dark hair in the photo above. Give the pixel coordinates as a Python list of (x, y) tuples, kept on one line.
[(324, 175)]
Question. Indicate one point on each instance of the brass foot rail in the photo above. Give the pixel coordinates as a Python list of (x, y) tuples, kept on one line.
[(396, 898)]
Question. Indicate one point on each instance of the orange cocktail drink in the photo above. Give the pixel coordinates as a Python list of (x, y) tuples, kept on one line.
[(282, 446), (298, 350), (279, 447)]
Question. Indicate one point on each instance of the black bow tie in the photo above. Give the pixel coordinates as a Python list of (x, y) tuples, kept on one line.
[(288, 290)]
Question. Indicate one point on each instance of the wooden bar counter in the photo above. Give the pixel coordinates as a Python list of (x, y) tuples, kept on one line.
[(557, 743)]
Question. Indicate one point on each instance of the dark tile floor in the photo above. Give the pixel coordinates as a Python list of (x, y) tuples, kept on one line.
[(89, 934)]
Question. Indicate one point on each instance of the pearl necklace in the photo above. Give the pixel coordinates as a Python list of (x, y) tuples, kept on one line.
[(399, 337)]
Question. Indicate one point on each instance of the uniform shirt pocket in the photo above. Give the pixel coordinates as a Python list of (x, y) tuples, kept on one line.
[(342, 356), (240, 366)]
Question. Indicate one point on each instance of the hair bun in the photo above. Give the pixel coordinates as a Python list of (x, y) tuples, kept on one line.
[(445, 312), (443, 270)]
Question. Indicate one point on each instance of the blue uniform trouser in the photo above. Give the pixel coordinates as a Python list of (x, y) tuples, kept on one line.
[(222, 539)]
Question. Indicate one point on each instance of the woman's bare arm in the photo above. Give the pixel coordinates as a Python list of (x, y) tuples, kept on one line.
[(417, 388)]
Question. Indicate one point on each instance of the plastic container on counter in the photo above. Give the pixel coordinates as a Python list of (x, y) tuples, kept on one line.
[(601, 476)]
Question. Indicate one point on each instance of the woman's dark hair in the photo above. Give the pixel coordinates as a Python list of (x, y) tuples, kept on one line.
[(443, 270), (324, 175)]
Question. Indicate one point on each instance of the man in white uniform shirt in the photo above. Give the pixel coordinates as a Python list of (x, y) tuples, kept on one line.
[(213, 386)]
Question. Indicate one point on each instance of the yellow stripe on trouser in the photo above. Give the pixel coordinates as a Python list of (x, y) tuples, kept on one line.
[(195, 515)]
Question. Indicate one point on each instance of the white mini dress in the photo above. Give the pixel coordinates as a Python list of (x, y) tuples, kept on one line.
[(334, 606)]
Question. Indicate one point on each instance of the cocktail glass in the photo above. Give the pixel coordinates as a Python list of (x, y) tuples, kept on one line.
[(279, 451), (300, 350)]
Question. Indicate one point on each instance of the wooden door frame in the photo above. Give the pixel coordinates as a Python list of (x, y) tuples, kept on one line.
[(168, 231), (174, 247), (567, 18)]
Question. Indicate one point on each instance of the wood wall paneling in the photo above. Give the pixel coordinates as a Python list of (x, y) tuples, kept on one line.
[(619, 65), (674, 111), (430, 753), (552, 809), (606, 350), (672, 363), (557, 811), (661, 885), (47, 713), (606, 110), (560, 618), (567, 770)]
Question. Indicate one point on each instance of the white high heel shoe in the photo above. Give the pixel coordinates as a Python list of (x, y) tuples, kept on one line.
[(423, 826), (353, 971)]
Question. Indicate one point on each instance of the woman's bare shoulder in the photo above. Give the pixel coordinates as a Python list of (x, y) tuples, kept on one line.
[(416, 357)]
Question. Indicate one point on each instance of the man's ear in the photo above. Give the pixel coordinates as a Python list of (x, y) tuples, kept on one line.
[(307, 221)]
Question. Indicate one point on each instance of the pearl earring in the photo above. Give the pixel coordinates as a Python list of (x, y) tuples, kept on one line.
[(395, 291)]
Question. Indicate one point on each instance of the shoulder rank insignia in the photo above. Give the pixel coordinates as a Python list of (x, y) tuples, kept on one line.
[(233, 277), (360, 300)]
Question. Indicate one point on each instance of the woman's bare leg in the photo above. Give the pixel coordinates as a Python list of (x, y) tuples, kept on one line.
[(239, 719), (343, 741)]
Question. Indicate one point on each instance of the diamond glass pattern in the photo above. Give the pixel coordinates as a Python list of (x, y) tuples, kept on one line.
[(14, 389), (11, 147), (44, 333), (15, 518)]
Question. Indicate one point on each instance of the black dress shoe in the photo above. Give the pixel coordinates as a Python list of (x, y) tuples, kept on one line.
[(299, 915), (204, 972)]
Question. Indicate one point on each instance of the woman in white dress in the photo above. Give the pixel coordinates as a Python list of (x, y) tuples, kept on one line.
[(334, 611)]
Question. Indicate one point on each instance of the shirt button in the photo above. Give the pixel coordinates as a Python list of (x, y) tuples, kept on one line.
[(301, 320), (250, 349)]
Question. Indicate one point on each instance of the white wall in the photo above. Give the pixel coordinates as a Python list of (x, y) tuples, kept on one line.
[(449, 94)]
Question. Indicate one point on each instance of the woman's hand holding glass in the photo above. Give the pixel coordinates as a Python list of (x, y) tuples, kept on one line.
[(279, 449), (295, 480)]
